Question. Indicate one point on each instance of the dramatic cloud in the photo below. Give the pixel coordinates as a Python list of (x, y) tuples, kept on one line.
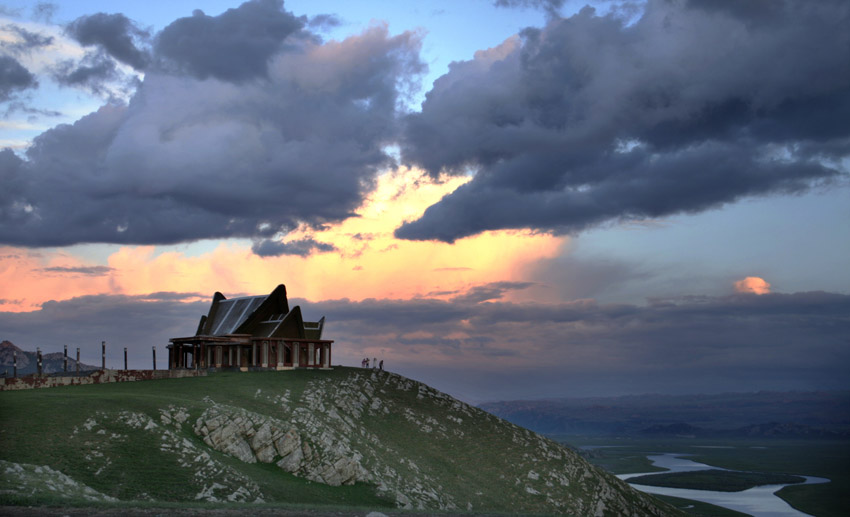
[(114, 33), (94, 72), (492, 350), (300, 247), (234, 46), (193, 158), (368, 261), (595, 119), (752, 284), (14, 78)]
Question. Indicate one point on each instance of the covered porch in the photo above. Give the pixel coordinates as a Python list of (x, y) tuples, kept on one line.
[(247, 352)]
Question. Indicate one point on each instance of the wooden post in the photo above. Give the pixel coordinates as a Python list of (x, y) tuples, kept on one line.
[(154, 358), (78, 360), (103, 355), (38, 360), (125, 358), (65, 362), (14, 363)]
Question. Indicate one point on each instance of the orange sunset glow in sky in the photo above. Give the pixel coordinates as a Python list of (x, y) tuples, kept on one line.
[(369, 261)]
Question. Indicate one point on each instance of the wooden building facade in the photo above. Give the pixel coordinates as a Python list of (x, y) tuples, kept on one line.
[(252, 332)]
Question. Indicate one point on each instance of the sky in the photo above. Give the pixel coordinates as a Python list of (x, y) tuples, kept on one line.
[(504, 199)]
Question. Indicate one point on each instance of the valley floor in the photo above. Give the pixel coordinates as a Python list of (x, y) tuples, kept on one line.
[(822, 458)]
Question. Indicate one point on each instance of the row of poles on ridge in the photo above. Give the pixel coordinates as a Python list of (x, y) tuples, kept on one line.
[(65, 360)]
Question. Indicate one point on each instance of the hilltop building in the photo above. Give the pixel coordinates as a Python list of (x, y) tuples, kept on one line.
[(252, 332)]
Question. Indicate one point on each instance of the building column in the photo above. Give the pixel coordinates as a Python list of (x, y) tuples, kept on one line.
[(296, 351), (265, 354), (326, 355), (312, 358)]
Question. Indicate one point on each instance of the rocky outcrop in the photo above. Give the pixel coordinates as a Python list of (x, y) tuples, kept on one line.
[(336, 433), (252, 438)]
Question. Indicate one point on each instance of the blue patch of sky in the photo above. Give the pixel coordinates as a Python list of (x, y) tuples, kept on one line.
[(796, 243)]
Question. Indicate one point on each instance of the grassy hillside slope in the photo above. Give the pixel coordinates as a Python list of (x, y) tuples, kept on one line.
[(344, 437)]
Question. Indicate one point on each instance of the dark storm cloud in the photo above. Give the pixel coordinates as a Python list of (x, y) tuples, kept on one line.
[(592, 119), (93, 72), (299, 247), (233, 46), (190, 159), (116, 34), (14, 78)]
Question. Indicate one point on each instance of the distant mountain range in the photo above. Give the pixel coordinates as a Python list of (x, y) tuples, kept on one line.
[(27, 361), (820, 414)]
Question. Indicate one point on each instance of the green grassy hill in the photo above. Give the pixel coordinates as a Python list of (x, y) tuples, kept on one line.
[(347, 437)]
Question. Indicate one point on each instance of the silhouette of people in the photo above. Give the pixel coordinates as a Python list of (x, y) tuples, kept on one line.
[(367, 362), (381, 365), (374, 362)]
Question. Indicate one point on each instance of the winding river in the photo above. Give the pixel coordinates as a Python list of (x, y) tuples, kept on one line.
[(760, 501)]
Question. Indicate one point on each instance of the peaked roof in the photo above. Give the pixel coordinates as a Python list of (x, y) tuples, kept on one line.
[(264, 315)]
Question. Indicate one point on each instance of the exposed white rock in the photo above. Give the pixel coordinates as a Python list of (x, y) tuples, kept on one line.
[(33, 480)]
